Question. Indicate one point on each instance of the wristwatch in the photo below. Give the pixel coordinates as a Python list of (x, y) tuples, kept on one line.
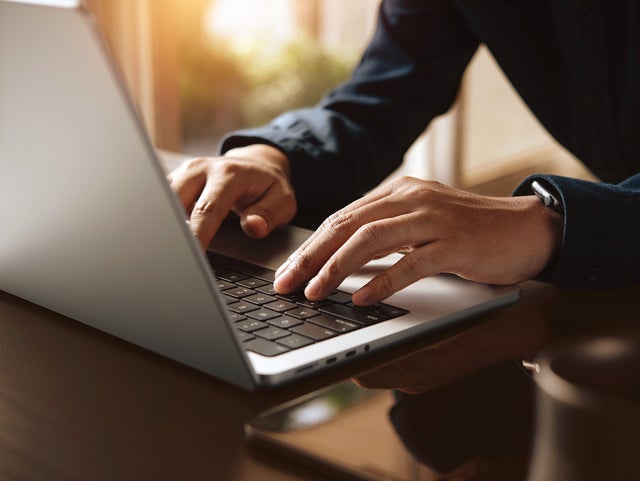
[(547, 198)]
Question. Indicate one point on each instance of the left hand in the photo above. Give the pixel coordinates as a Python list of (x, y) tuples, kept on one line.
[(497, 240)]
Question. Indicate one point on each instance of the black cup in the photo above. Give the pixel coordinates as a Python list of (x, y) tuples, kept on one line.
[(588, 409)]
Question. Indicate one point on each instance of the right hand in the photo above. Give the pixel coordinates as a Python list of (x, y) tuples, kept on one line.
[(252, 181), (494, 240)]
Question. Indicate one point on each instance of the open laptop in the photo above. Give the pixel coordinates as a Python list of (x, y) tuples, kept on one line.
[(91, 229)]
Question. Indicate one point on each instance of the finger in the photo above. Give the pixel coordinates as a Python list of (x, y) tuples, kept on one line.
[(275, 208), (425, 261), (327, 239), (367, 243), (210, 210), (187, 186)]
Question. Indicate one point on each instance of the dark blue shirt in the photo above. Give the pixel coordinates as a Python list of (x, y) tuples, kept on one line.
[(576, 63)]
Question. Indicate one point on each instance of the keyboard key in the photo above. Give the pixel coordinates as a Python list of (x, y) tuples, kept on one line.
[(245, 336), (314, 332), (231, 276), (313, 304), (250, 325), (259, 299), (390, 311), (268, 289), (272, 333), (340, 297), (229, 299), (303, 313), (263, 314), (353, 313), (264, 347), (281, 305), (382, 310), (222, 285), (252, 282), (294, 341), (293, 297), (239, 292), (335, 323), (235, 317), (241, 307), (284, 322)]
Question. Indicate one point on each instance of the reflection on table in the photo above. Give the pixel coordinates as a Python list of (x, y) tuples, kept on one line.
[(462, 408)]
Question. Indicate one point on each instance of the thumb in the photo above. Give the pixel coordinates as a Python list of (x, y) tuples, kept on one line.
[(274, 209), (255, 225)]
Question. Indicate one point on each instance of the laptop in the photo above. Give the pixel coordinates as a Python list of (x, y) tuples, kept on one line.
[(90, 228)]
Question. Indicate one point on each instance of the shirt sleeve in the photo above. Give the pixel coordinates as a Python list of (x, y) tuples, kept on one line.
[(601, 240), (348, 143)]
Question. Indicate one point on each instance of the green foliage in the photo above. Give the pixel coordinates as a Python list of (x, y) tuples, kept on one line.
[(298, 75), (222, 91)]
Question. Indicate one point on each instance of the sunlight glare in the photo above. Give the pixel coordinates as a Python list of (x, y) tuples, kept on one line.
[(246, 23)]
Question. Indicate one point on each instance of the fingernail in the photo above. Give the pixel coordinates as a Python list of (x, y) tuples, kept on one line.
[(312, 290), (259, 226), (282, 282)]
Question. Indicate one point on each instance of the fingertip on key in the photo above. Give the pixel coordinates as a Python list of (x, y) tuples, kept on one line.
[(362, 298), (283, 282)]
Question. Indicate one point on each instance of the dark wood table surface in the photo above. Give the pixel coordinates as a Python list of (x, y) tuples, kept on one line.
[(78, 404)]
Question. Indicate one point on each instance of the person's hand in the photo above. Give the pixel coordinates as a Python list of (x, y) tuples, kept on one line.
[(251, 181), (496, 240), (515, 335)]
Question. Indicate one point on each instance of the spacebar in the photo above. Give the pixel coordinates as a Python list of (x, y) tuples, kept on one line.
[(355, 314)]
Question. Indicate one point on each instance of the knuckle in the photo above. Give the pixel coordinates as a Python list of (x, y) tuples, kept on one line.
[(338, 223), (406, 179), (371, 233), (301, 262), (227, 167), (332, 268), (385, 283), (414, 265), (196, 163), (411, 187), (204, 208)]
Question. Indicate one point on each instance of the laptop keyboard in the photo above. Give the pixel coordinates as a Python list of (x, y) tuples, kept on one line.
[(270, 324)]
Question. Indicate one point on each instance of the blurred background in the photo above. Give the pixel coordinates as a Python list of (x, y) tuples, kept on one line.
[(198, 69)]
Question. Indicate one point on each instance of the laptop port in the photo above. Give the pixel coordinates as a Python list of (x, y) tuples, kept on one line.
[(306, 368)]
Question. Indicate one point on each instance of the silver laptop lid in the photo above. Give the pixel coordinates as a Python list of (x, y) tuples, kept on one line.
[(88, 225)]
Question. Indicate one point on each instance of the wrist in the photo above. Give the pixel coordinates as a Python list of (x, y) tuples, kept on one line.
[(549, 232), (264, 153)]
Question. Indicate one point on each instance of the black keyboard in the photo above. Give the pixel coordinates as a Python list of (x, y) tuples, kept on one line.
[(271, 324)]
